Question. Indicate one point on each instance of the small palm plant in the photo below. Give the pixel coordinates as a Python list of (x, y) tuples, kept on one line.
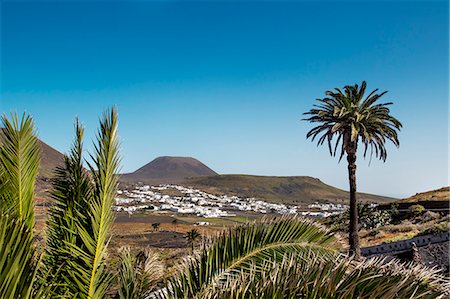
[(155, 226), (191, 236), (138, 275), (350, 116), (79, 222)]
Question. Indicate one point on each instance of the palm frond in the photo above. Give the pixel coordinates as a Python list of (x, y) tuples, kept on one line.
[(352, 118), (309, 275), (18, 267), (19, 164), (138, 275), (239, 248), (89, 278), (71, 196)]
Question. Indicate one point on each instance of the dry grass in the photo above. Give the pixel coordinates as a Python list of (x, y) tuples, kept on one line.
[(428, 223)]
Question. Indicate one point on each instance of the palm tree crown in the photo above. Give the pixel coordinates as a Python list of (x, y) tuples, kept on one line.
[(350, 116)]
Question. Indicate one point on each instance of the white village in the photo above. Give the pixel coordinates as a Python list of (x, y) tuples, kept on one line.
[(202, 204)]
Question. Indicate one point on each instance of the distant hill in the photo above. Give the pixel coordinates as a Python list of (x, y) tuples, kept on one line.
[(435, 200), (50, 159), (168, 170), (442, 194), (290, 190)]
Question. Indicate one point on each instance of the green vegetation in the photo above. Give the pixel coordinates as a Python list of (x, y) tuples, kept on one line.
[(416, 210), (138, 275), (286, 257), (239, 248), (291, 257), (80, 219), (351, 118), (369, 219), (311, 275)]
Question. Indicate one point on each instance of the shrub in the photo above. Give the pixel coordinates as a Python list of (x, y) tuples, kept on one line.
[(416, 210), (435, 229), (402, 228), (373, 233), (375, 219), (429, 216)]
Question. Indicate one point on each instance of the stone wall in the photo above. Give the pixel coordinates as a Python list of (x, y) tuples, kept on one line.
[(406, 245)]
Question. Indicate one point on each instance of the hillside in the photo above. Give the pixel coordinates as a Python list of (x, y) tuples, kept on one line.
[(168, 170), (50, 159), (442, 194), (289, 190)]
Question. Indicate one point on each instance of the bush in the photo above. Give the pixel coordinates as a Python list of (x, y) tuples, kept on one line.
[(373, 233), (429, 216), (402, 228), (416, 210), (374, 219), (435, 229)]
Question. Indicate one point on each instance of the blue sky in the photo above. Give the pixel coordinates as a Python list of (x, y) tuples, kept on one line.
[(227, 82)]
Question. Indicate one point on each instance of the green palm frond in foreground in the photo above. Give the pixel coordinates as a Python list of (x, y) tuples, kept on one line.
[(310, 275), (89, 277), (71, 194), (138, 275), (19, 164), (244, 247), (17, 265)]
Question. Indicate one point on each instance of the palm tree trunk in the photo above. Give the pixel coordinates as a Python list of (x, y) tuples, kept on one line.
[(353, 229)]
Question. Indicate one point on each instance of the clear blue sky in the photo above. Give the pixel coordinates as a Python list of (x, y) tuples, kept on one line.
[(227, 82)]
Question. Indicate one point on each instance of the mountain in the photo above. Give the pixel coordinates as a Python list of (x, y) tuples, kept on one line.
[(50, 159), (166, 169), (289, 190)]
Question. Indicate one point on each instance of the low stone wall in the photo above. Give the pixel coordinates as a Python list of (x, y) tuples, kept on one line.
[(431, 205), (405, 245)]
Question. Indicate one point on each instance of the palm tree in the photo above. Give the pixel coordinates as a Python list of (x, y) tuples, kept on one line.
[(155, 226), (350, 116), (191, 236), (174, 223)]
